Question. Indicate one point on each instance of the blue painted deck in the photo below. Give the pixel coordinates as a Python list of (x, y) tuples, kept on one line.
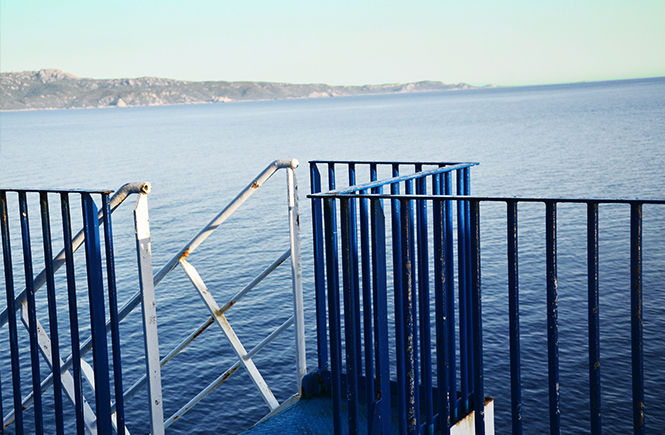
[(312, 416)]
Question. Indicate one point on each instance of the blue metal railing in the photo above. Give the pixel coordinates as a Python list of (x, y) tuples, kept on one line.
[(413, 272), (96, 315), (365, 277), (95, 279)]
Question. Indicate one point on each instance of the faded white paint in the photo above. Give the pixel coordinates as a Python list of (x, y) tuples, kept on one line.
[(467, 426)]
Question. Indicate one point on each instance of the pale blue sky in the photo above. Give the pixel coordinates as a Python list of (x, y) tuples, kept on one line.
[(515, 42)]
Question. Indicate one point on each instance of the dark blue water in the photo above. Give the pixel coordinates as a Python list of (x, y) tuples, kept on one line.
[(582, 140)]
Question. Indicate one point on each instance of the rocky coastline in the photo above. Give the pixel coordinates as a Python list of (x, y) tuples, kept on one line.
[(55, 89)]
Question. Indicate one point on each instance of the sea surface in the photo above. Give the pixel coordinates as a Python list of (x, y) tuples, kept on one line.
[(604, 139)]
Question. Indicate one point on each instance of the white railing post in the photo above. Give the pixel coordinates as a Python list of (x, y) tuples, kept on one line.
[(296, 271), (149, 310)]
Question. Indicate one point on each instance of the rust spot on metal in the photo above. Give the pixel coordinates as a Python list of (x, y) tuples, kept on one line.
[(228, 374), (185, 255), (202, 329), (255, 185)]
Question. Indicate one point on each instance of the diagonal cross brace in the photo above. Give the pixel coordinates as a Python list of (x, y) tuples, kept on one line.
[(239, 349)]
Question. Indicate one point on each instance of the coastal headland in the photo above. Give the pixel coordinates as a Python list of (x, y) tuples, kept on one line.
[(55, 89)]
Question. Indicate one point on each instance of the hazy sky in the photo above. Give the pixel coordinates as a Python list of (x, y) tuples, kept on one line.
[(512, 42)]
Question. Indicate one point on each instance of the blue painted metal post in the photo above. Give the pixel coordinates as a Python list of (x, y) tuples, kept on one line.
[(399, 310), (73, 312), (353, 232), (97, 314), (52, 312), (466, 190), (113, 314), (449, 283), (332, 272), (350, 321), (441, 309), (11, 316), (476, 317), (413, 298), (462, 266), (319, 268), (407, 314), (32, 316), (552, 318), (594, 317), (514, 320), (424, 305), (380, 293), (637, 352), (368, 338)]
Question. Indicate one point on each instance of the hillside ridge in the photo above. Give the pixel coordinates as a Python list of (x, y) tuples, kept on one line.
[(54, 89)]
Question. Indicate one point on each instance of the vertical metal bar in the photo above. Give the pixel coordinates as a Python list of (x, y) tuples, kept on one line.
[(11, 315), (52, 312), (637, 353), (73, 312), (331, 176), (411, 300), (380, 293), (449, 284), (354, 269), (332, 272), (296, 277), (319, 268), (466, 173), (424, 312), (399, 304), (368, 338), (410, 337), (149, 311), (113, 314), (552, 317), (594, 317), (32, 315), (514, 319), (350, 320), (462, 265), (441, 308), (477, 320), (97, 314)]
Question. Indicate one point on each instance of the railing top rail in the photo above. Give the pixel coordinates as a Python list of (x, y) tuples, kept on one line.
[(99, 191), (388, 162), (345, 194), (224, 214), (394, 180)]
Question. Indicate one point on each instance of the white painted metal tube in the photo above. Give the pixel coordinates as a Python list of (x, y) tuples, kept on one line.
[(224, 214), (149, 311), (296, 272)]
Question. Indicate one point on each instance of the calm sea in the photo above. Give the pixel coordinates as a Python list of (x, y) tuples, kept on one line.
[(580, 140)]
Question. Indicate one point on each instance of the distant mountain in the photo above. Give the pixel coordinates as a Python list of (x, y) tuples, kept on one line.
[(54, 89)]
